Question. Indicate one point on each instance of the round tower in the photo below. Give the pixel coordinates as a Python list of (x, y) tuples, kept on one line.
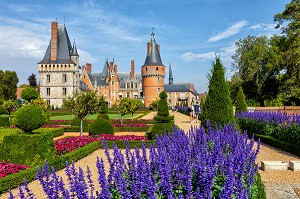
[(153, 73)]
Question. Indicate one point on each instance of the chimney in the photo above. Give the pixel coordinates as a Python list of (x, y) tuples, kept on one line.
[(88, 67), (132, 70), (116, 69), (111, 66), (148, 47), (54, 40)]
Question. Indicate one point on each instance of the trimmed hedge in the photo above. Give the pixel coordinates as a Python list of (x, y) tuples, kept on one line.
[(101, 126), (27, 149), (257, 189), (102, 116), (76, 122), (76, 129), (14, 180), (159, 129), (131, 129), (54, 131), (4, 121), (9, 131)]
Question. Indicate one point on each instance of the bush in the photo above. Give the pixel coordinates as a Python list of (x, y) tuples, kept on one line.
[(102, 116), (4, 121), (27, 149), (29, 93), (54, 131), (257, 190), (29, 117), (76, 122), (218, 105), (101, 126), (241, 104), (130, 129), (290, 134), (159, 129), (2, 110), (163, 110)]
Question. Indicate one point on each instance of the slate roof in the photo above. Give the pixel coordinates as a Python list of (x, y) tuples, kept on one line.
[(83, 86), (179, 87), (125, 76), (74, 50), (97, 77), (64, 48), (153, 58)]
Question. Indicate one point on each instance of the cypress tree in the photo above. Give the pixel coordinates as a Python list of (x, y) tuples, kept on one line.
[(241, 104), (218, 105)]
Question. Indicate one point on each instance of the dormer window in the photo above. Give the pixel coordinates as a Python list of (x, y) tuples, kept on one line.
[(156, 68)]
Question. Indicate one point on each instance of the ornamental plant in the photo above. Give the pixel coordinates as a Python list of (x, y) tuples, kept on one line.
[(10, 106), (218, 105), (29, 93), (101, 126), (29, 117), (7, 168), (241, 104), (163, 110), (216, 164)]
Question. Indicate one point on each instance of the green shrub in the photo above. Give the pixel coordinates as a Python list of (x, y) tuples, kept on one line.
[(4, 121), (218, 105), (102, 116), (27, 149), (2, 110), (9, 131), (76, 129), (290, 134), (257, 190), (159, 129), (29, 117), (131, 129), (241, 104), (76, 122), (101, 126), (54, 131), (163, 110)]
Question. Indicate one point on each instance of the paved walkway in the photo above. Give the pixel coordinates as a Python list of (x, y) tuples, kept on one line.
[(279, 185)]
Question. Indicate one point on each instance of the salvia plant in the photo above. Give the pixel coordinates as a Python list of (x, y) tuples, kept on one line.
[(277, 118), (219, 163)]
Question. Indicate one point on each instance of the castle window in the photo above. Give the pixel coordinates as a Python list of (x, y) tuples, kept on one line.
[(112, 83), (128, 94), (131, 84), (64, 78), (158, 79), (128, 85), (135, 85), (64, 91), (146, 69), (48, 102), (48, 91), (48, 78), (156, 68)]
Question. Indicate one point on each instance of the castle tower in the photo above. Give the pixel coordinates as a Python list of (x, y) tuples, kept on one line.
[(153, 73), (59, 69), (170, 75)]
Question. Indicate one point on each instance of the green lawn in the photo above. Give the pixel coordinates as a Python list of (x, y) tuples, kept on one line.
[(91, 117)]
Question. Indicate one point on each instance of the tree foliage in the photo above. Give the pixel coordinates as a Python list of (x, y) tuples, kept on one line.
[(82, 104), (218, 105), (29, 93), (134, 105), (241, 104), (8, 84), (122, 106), (10, 106), (40, 102), (32, 80)]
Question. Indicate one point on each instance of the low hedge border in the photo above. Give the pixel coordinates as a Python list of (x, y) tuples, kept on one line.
[(266, 139), (14, 180), (131, 129), (55, 131), (257, 189), (76, 129)]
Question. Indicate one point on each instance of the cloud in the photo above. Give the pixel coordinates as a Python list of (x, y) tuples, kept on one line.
[(234, 29), (191, 56), (86, 57)]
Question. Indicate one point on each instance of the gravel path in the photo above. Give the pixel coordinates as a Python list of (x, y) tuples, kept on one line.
[(278, 184)]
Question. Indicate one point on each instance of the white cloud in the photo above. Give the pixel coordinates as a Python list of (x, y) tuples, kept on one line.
[(191, 56), (86, 57), (234, 29)]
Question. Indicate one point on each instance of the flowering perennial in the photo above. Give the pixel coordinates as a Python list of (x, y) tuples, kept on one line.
[(278, 118), (130, 125), (66, 145), (8, 168), (219, 163)]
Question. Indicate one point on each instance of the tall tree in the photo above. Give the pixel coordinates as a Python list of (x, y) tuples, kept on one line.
[(257, 62), (10, 106), (288, 22), (32, 80), (29, 93), (218, 105), (123, 107), (134, 105), (8, 83), (82, 104)]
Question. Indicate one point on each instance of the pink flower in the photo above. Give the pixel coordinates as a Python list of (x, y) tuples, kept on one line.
[(7, 168)]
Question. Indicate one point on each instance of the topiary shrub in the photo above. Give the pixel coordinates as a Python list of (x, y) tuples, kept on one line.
[(103, 116), (28, 149), (101, 126), (159, 129), (4, 121), (2, 110), (29, 117), (76, 122), (163, 110), (241, 104)]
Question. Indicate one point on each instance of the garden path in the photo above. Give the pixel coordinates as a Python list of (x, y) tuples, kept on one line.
[(278, 184)]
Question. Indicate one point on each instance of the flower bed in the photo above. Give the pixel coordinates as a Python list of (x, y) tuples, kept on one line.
[(130, 125), (8, 168), (217, 164), (43, 126), (66, 145)]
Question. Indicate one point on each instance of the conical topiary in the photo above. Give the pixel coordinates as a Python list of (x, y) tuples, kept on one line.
[(218, 105), (163, 111), (241, 104)]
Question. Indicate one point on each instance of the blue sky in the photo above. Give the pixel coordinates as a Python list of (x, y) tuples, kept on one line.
[(190, 32)]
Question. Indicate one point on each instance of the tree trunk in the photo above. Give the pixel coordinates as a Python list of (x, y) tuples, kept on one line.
[(81, 123), (132, 116), (122, 120)]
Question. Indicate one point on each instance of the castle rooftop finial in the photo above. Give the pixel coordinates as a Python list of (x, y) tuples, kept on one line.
[(152, 34)]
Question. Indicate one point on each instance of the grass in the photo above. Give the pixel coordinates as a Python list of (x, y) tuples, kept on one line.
[(92, 117)]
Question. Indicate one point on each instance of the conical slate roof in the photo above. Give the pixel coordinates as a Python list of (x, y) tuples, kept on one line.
[(153, 58), (170, 75), (64, 48), (74, 50)]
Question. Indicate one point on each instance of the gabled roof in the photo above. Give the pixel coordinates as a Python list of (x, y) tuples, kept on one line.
[(83, 86), (125, 76), (74, 50), (105, 70), (64, 48), (153, 58), (179, 87)]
